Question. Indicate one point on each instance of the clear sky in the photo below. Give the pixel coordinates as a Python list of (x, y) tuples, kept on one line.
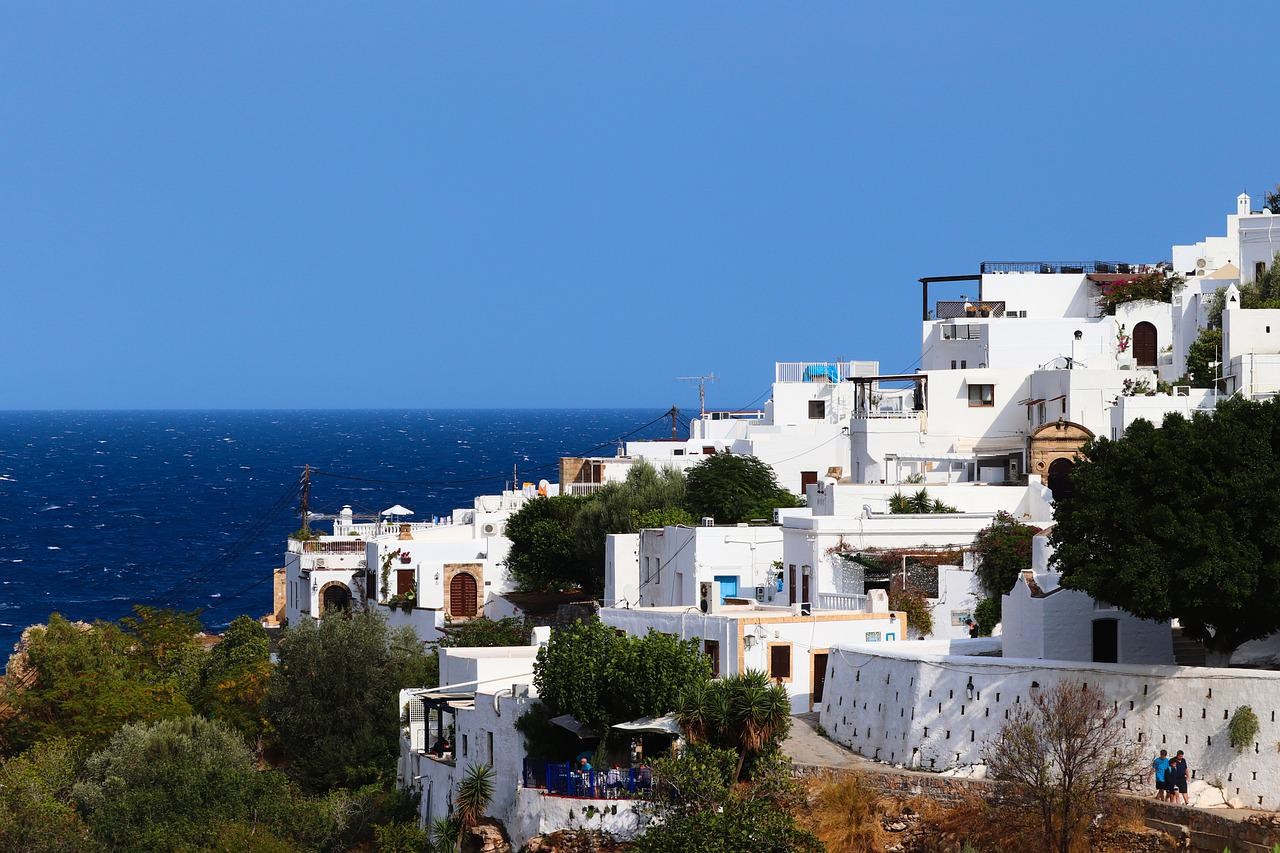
[(547, 204)]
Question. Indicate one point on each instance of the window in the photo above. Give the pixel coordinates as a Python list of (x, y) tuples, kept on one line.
[(953, 364), (679, 451), (982, 395), (1040, 413), (1259, 269), (817, 410), (964, 364), (780, 661), (464, 744), (708, 450), (712, 648), (490, 748)]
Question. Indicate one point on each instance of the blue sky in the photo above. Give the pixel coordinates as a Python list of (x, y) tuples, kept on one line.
[(549, 204)]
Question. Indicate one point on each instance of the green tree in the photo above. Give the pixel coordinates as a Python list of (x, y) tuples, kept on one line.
[(911, 600), (235, 679), (1272, 202), (36, 812), (546, 551), (165, 646), (1182, 521), (1201, 355), (171, 784), (1003, 551), (558, 542), (601, 678), (986, 615), (333, 697), (731, 488), (88, 681), (665, 517)]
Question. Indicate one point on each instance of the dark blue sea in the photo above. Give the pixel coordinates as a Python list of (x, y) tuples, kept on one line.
[(99, 510)]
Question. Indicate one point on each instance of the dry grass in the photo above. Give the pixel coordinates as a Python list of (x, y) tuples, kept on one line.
[(845, 815)]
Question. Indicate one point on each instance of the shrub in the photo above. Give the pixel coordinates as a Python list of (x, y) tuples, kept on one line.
[(1242, 728), (845, 815)]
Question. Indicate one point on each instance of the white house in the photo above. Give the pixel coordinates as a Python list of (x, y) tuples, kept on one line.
[(420, 574), (1041, 619), (789, 646)]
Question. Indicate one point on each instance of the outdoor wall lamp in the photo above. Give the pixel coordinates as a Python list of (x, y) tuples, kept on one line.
[(314, 585), (968, 689)]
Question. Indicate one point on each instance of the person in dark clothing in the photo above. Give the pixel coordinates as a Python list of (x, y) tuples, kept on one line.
[(1177, 779)]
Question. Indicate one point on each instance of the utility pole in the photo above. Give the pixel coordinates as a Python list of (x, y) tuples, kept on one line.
[(673, 413), (306, 499), (515, 478), (702, 388)]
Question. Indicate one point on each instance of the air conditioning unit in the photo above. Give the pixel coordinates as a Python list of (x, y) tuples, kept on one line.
[(708, 602), (708, 521), (1201, 264), (491, 528), (759, 593)]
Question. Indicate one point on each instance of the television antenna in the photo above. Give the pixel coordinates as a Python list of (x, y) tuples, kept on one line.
[(702, 389)]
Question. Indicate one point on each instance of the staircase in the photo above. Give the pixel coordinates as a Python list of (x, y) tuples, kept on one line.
[(1186, 650)]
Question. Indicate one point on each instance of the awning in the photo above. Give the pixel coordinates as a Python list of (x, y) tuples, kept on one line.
[(664, 725), (570, 723), (397, 510)]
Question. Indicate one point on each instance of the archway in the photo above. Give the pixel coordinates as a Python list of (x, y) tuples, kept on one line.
[(336, 595), (1060, 477), (462, 595), (1145, 344)]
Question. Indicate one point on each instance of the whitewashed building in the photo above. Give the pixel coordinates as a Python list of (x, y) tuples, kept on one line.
[(791, 647)]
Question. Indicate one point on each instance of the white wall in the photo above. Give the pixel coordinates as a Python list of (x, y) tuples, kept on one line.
[(1040, 294), (907, 704), (621, 567), (753, 634), (1060, 625), (688, 556)]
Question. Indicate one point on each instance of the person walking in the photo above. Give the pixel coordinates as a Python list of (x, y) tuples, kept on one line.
[(1160, 770), (1177, 778)]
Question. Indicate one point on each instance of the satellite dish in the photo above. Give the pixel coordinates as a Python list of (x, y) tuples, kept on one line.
[(543, 485)]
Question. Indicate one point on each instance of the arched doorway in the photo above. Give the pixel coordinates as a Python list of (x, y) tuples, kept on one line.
[(1145, 347), (334, 595), (1060, 477), (462, 595)]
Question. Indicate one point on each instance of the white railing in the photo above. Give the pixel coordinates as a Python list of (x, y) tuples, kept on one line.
[(755, 415), (886, 414), (841, 601), (822, 371), (585, 488)]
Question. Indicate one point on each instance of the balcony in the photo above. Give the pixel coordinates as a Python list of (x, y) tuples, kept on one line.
[(842, 601), (585, 488), (821, 371)]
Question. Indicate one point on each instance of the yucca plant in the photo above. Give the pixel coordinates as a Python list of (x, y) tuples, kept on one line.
[(473, 796)]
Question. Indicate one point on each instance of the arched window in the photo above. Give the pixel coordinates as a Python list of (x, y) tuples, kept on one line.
[(1144, 344), (462, 595)]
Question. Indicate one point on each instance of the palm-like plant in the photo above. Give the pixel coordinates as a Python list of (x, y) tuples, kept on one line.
[(473, 796), (761, 714), (744, 711)]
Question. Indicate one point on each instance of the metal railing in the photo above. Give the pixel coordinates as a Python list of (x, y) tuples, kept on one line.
[(841, 601), (562, 780), (585, 488), (1067, 267), (754, 415), (958, 309)]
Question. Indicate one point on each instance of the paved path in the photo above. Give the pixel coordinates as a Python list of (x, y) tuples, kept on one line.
[(809, 749)]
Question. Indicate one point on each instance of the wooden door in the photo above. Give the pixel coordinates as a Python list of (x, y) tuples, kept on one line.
[(804, 598), (791, 587), (1145, 347), (819, 677), (807, 479), (462, 595)]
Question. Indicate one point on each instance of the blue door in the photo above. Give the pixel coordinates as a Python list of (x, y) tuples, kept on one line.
[(728, 586)]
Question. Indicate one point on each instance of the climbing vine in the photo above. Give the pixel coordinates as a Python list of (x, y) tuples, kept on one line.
[(385, 575)]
